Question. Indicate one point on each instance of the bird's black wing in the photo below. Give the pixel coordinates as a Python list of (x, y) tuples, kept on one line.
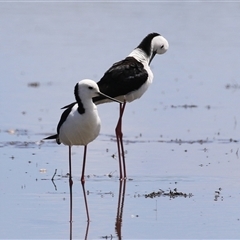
[(123, 77), (62, 120), (64, 116)]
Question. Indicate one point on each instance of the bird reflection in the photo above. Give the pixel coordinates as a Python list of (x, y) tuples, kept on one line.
[(86, 207), (118, 222), (121, 195), (70, 201), (71, 209)]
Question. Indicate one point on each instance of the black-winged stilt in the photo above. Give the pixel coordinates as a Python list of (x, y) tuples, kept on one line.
[(128, 79), (80, 123)]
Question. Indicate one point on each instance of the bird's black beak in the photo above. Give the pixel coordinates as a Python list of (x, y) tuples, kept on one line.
[(153, 55), (106, 96)]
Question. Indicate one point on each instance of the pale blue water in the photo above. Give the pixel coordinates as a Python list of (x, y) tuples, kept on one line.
[(192, 148)]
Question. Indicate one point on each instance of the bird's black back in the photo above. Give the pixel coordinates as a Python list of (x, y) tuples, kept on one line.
[(64, 116), (122, 78), (62, 120)]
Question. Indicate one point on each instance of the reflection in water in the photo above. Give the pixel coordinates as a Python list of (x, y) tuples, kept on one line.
[(86, 207), (71, 209), (121, 195), (70, 200), (118, 223), (86, 233), (85, 201)]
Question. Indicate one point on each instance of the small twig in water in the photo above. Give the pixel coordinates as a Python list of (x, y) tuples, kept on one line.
[(53, 179), (54, 174)]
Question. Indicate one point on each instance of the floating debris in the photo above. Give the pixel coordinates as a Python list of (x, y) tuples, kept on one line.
[(171, 193), (232, 86), (180, 141), (11, 131), (111, 174), (230, 140), (184, 106), (107, 237), (18, 132), (34, 84), (217, 195)]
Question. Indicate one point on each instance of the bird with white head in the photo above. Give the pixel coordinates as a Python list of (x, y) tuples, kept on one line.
[(80, 123), (128, 80)]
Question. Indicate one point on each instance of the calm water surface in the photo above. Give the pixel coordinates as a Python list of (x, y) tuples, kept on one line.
[(181, 137)]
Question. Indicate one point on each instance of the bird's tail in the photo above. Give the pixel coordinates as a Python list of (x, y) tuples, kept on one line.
[(51, 137)]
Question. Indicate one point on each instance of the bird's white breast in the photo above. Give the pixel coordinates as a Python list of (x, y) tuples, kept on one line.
[(80, 129), (139, 92)]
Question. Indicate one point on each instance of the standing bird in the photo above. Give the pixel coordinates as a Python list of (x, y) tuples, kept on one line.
[(128, 80), (80, 123)]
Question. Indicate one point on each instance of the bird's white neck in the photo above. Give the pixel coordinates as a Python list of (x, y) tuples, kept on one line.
[(89, 105), (140, 56)]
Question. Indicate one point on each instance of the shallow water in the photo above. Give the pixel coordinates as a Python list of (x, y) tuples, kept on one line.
[(181, 138)]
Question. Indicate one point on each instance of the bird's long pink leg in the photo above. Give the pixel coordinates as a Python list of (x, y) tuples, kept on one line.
[(118, 132), (83, 182), (84, 162), (70, 167), (121, 143), (70, 188), (119, 136)]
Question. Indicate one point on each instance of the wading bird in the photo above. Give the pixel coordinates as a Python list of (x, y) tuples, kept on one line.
[(80, 123), (127, 80)]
